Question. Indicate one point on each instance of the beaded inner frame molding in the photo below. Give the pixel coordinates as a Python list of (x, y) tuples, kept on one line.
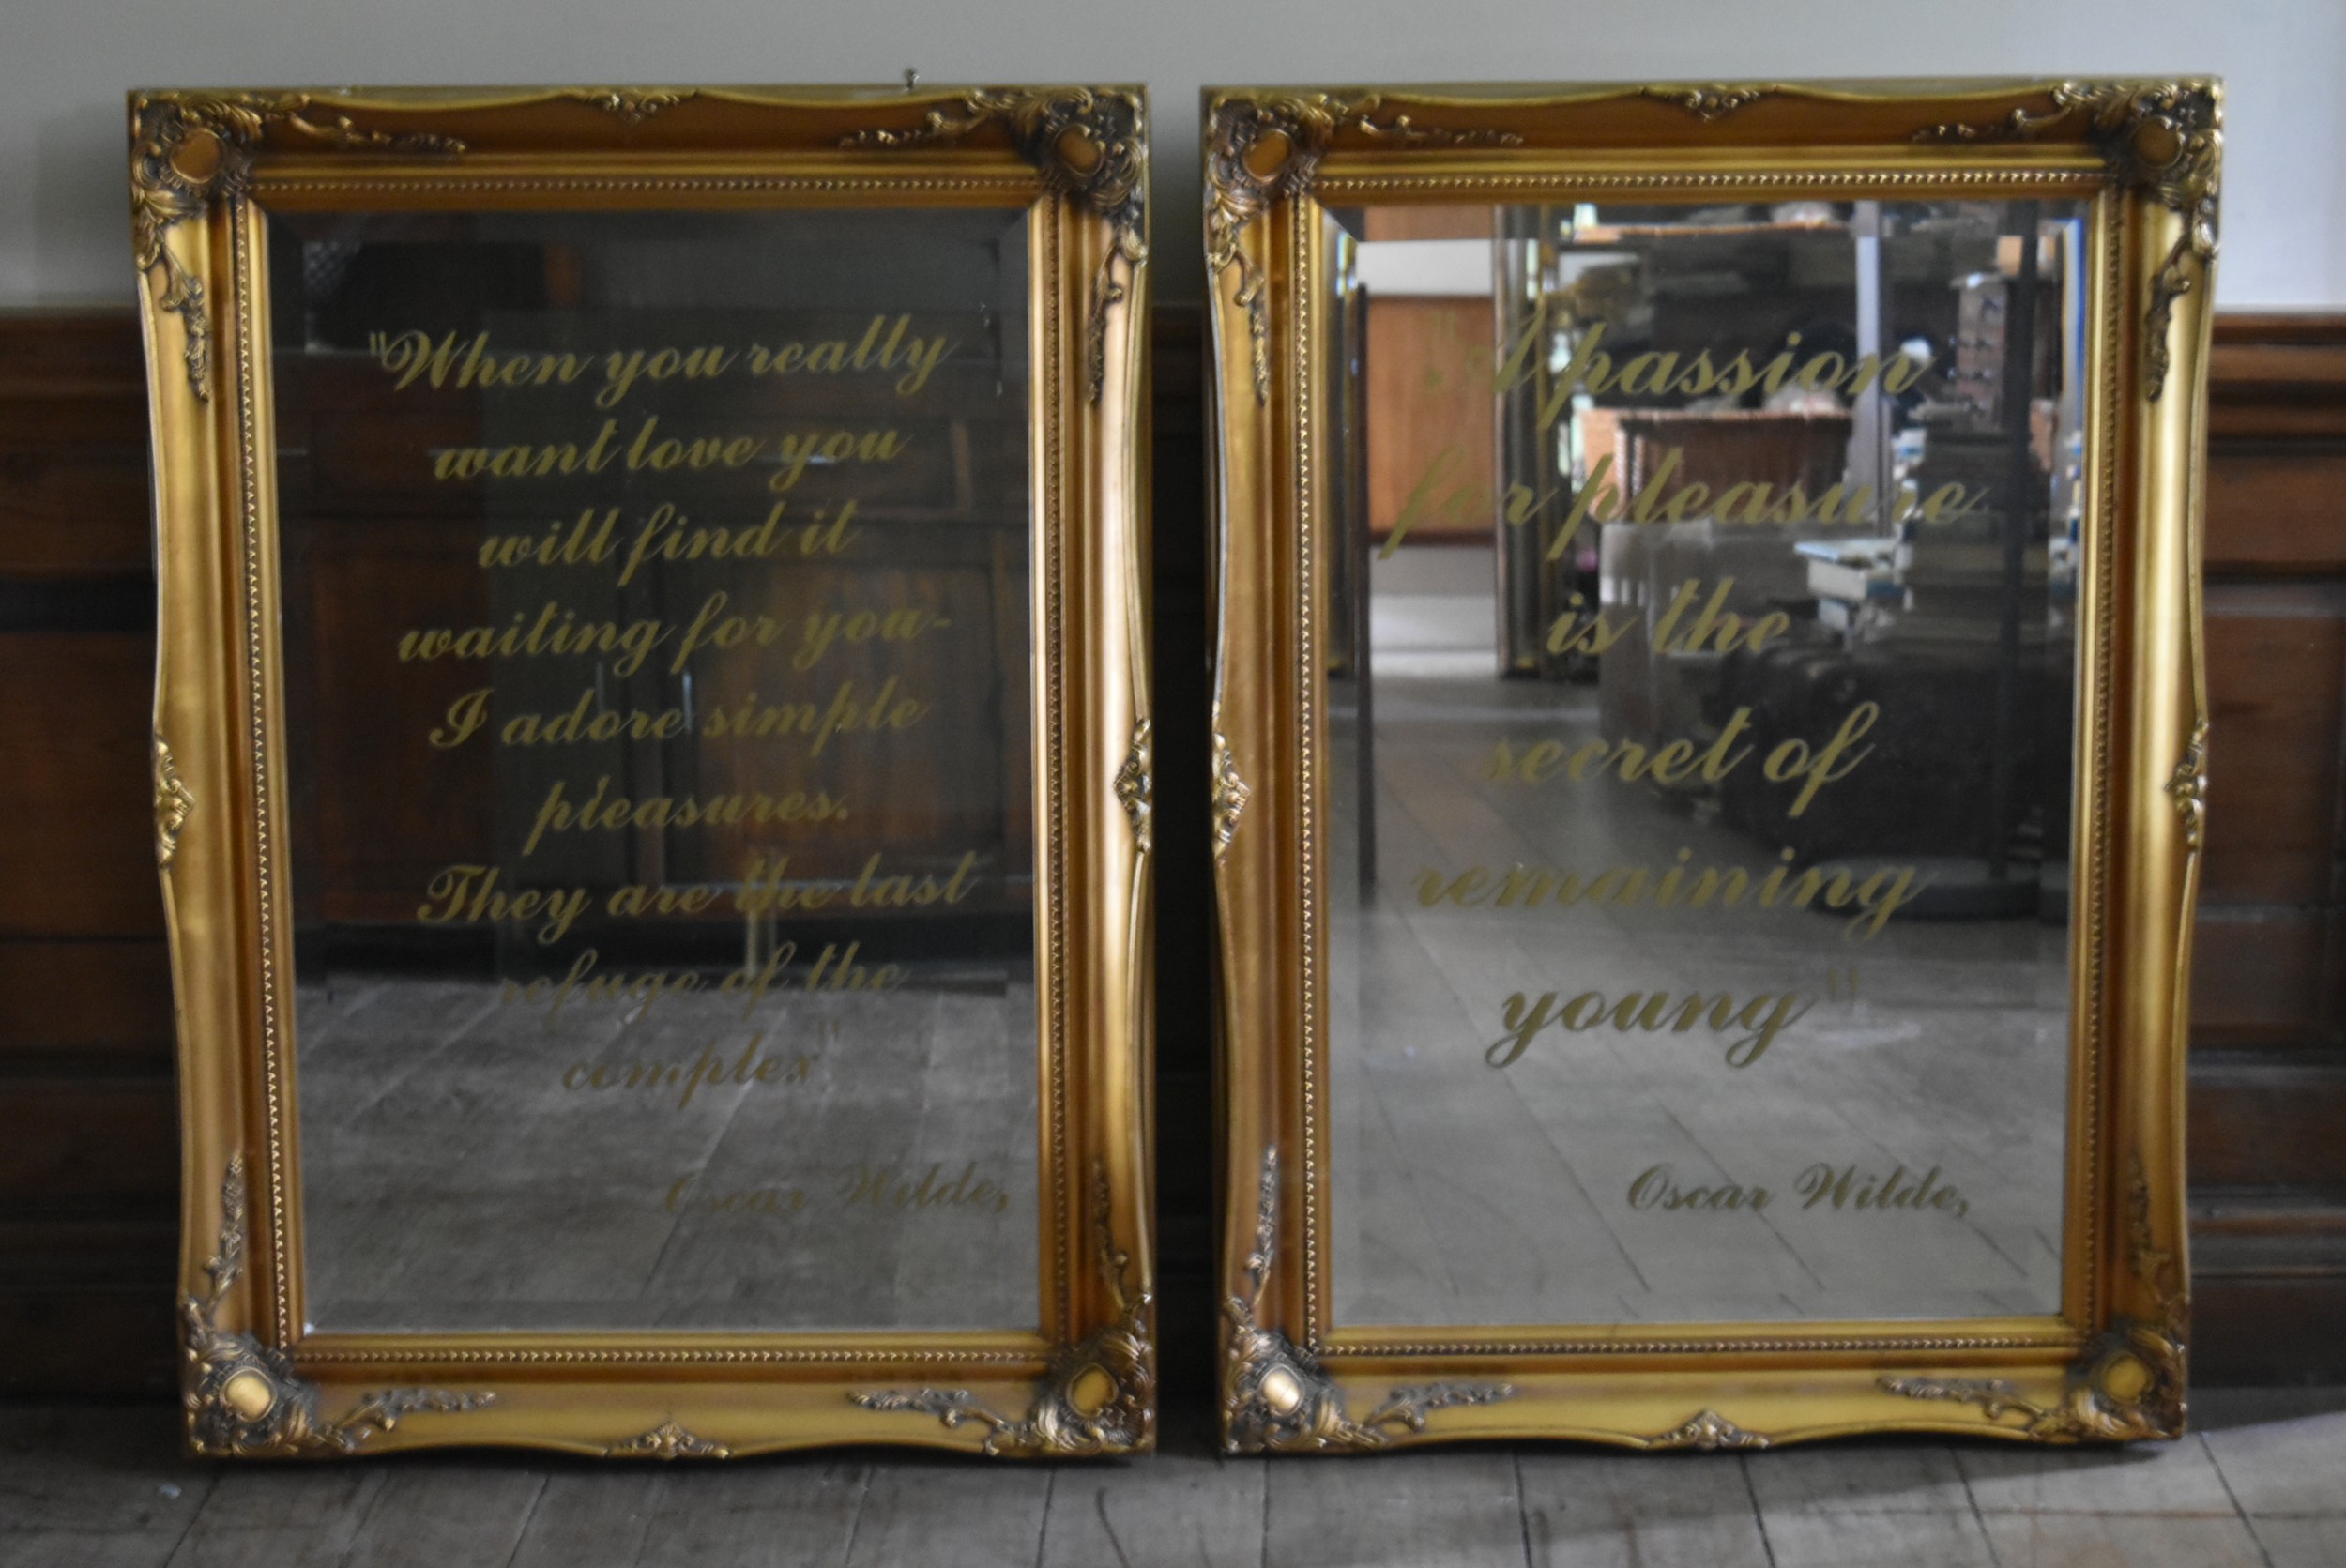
[(209, 170), (2142, 158)]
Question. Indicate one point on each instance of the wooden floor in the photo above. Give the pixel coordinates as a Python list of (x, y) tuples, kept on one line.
[(2262, 1483)]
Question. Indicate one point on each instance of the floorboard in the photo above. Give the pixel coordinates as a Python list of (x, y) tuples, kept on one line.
[(791, 1512), (1638, 1511), (953, 1512), (589, 1516), (443, 1513), (2264, 1481), (1455, 1509), (1183, 1510), (1845, 1506)]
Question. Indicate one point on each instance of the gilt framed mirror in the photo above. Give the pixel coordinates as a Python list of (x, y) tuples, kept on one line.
[(653, 764), (1708, 756)]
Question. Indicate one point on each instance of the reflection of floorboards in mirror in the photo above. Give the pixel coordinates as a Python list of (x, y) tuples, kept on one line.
[(1955, 1058), (453, 1182), (972, 1101), (335, 1017), (1495, 1147)]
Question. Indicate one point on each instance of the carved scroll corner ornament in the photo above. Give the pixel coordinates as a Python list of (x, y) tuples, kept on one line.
[(2163, 137), (2129, 1381), (1136, 787), (245, 1400), (1099, 1396), (1089, 144), (2188, 787), (668, 1441), (2128, 1384), (190, 150), (1707, 1431), (173, 803), (1263, 151), (1230, 795), (1276, 1397)]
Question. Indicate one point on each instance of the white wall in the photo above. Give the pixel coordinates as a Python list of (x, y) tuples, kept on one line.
[(64, 64)]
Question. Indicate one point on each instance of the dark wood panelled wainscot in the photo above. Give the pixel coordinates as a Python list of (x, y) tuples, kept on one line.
[(88, 1160), (2268, 1038)]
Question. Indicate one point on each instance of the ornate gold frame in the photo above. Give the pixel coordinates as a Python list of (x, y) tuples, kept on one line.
[(206, 170), (2111, 1364)]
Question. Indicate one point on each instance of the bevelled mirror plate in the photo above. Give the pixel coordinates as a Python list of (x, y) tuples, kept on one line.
[(653, 764), (1708, 746)]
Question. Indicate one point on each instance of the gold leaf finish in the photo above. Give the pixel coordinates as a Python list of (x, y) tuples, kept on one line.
[(1262, 151), (633, 104), (1135, 788), (2140, 164), (1229, 796), (1708, 1431), (668, 1441), (1089, 144), (210, 172), (190, 150), (1099, 1396), (173, 804), (1712, 101), (2188, 787), (245, 1400), (2163, 137), (2128, 1383), (1277, 1397)]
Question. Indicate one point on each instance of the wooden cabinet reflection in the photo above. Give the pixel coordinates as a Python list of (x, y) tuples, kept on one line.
[(373, 548)]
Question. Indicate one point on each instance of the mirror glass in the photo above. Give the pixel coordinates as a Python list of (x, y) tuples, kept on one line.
[(654, 595), (1701, 587)]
